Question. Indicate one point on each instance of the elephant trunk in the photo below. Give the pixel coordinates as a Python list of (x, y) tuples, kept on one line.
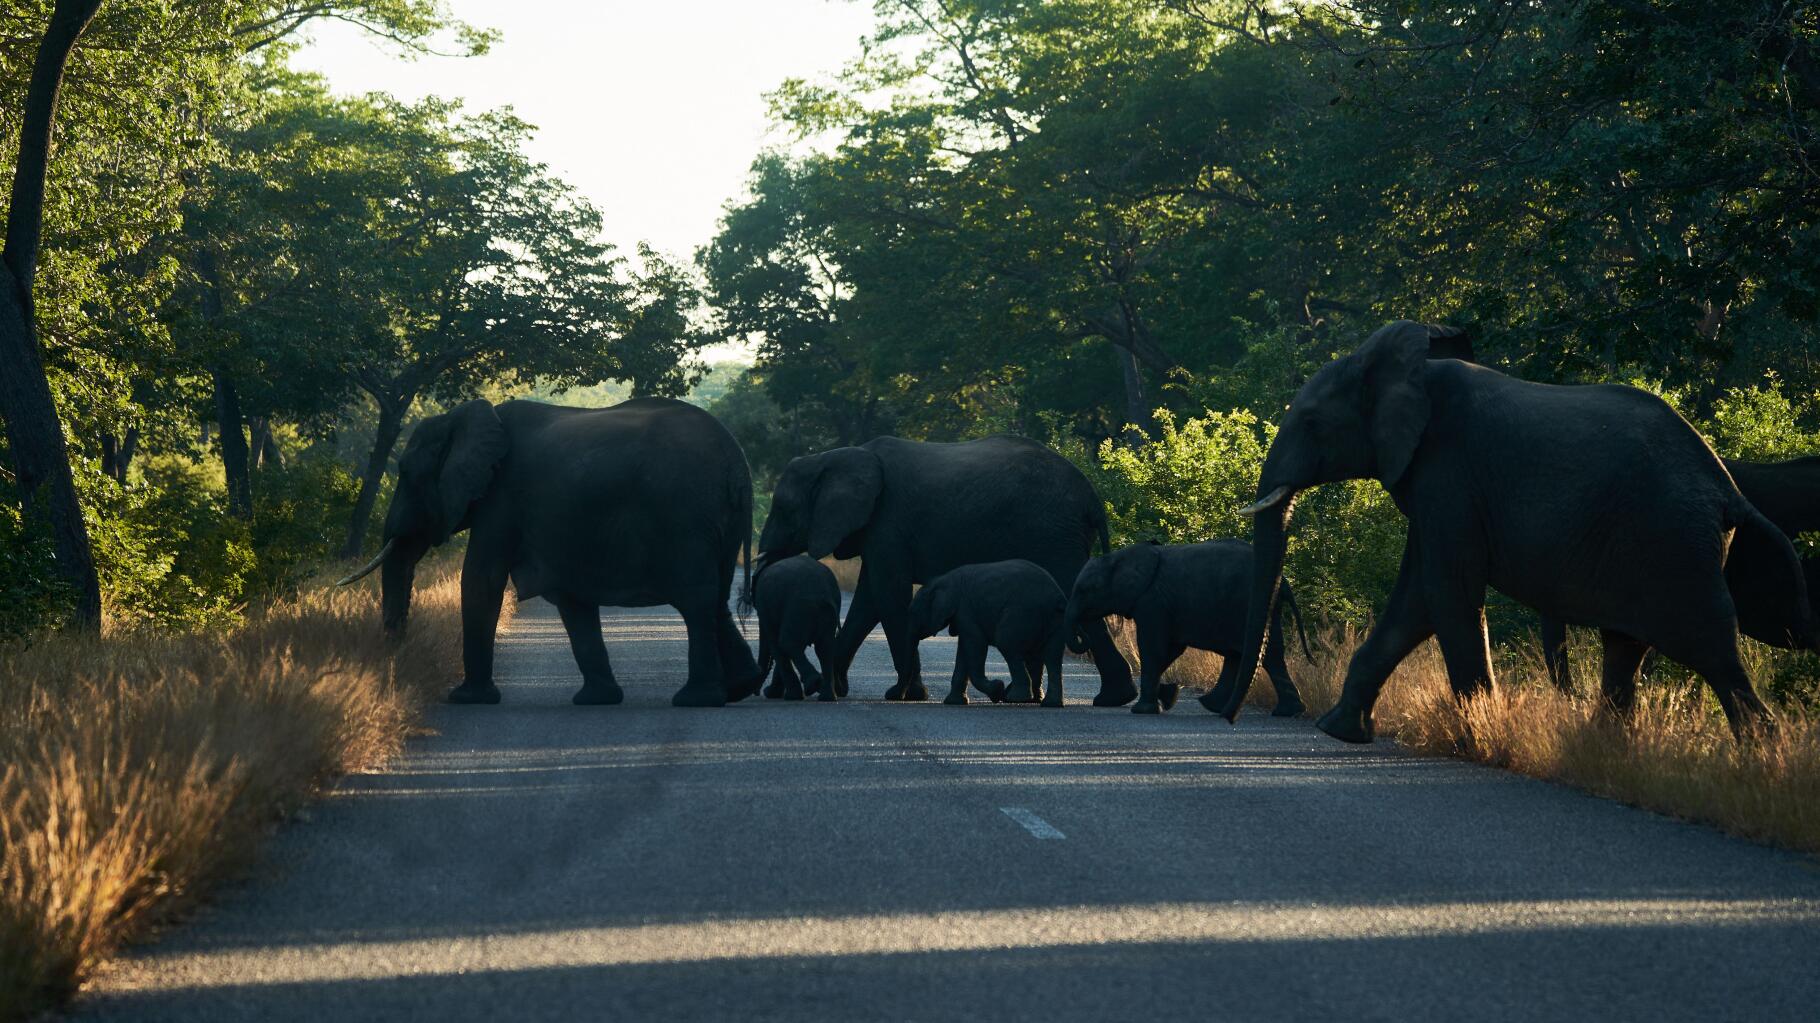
[(1269, 543), (396, 574), (1071, 623)]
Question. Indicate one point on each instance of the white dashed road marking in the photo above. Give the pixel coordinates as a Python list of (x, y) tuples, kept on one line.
[(1037, 826)]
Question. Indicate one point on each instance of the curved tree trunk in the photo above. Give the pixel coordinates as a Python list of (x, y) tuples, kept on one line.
[(385, 438), (34, 431)]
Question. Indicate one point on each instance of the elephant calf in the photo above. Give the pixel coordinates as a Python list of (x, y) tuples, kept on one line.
[(1012, 605), (1181, 596), (798, 603)]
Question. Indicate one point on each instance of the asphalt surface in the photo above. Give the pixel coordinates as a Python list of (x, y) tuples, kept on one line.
[(866, 860)]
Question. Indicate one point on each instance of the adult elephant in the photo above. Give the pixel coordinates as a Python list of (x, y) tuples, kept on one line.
[(1595, 503), (913, 510), (1788, 495), (644, 503)]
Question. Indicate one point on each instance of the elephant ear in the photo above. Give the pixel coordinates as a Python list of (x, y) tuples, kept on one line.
[(1394, 361), (1451, 343), (477, 444), (1133, 570), (846, 491)]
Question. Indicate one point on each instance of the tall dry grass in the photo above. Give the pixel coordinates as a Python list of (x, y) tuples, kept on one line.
[(1672, 754), (140, 768)]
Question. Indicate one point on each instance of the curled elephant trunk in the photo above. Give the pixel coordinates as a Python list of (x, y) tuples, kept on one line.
[(398, 570), (1269, 543)]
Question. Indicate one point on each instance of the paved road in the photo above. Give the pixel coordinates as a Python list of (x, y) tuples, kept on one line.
[(870, 861)]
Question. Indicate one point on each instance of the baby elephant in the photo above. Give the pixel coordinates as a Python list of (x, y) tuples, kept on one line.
[(1012, 605), (798, 605), (1181, 596)]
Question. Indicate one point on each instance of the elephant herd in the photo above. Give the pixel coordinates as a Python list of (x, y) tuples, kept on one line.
[(1595, 505)]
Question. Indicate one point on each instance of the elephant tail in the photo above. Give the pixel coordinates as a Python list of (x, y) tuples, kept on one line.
[(1745, 515), (1286, 601), (1099, 524)]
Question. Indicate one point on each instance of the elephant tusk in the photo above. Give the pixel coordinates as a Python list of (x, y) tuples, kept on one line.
[(371, 565), (1269, 500)]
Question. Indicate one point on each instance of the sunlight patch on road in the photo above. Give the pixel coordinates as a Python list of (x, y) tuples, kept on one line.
[(957, 931)]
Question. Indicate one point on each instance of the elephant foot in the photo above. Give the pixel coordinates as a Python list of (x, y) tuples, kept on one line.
[(955, 699), (1346, 723), (1289, 705), (739, 689), (603, 694), (911, 692), (995, 690), (1018, 693), (699, 696), (826, 694), (1147, 707), (793, 692), (840, 685), (1109, 697), (476, 695), (774, 691), (1166, 694), (1053, 699)]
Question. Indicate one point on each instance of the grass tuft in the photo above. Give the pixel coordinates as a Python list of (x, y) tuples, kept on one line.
[(139, 767)]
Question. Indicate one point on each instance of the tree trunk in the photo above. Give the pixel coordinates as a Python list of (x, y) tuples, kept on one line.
[(265, 449), (40, 456), (234, 461), (385, 438), (1137, 406)]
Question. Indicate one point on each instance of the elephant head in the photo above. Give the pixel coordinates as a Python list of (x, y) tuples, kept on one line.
[(822, 504), (447, 466), (1361, 416), (1113, 584), (932, 609)]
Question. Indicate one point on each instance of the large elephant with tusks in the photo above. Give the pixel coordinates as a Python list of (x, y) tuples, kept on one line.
[(647, 502)]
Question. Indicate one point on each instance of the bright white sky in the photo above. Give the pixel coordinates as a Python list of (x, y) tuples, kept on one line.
[(653, 109)]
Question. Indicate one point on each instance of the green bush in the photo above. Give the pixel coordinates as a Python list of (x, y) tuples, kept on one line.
[(31, 595), (300, 517), (1189, 481)]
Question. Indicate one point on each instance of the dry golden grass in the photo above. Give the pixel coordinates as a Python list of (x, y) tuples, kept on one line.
[(1674, 753), (139, 768)]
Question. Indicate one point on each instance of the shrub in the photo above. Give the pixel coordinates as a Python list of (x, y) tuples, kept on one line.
[(1188, 482)]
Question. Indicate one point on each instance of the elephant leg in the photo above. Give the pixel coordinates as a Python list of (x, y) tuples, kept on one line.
[(834, 682), (1402, 628), (1623, 656), (1155, 655), (811, 678), (1453, 581), (483, 589), (1053, 657), (1033, 667), (1713, 653), (957, 685), (1221, 692), (598, 687), (904, 657), (738, 669), (704, 687), (1116, 688), (1289, 699), (1023, 688), (862, 618), (1554, 653), (789, 685), (973, 653)]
